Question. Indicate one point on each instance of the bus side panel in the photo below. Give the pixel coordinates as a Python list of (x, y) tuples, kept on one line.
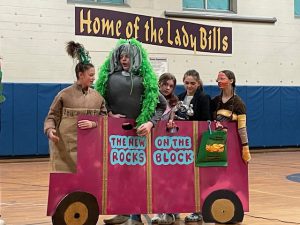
[(234, 177), (173, 184), (127, 177), (88, 177)]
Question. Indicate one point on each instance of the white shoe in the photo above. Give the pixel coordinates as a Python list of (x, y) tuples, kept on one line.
[(166, 219), (156, 218), (194, 217)]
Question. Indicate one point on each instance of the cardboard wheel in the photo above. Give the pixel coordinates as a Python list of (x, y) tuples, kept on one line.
[(77, 208), (222, 206)]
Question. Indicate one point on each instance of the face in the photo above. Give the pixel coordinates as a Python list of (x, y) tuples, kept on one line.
[(125, 62), (223, 81), (191, 85), (167, 87), (87, 77)]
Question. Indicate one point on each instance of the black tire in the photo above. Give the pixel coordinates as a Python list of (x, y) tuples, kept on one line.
[(77, 208), (222, 206)]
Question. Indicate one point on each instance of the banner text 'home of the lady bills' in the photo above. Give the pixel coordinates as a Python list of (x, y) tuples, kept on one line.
[(153, 30)]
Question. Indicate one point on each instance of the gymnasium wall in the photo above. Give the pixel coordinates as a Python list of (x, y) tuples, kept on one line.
[(272, 112), (265, 59)]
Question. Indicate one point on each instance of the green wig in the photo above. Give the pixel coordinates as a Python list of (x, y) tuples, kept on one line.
[(144, 69)]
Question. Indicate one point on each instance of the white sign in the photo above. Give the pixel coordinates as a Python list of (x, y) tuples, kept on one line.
[(160, 65)]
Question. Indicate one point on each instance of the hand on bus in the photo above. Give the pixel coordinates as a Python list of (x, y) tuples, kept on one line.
[(116, 115), (144, 129), (219, 126), (246, 154), (52, 136), (86, 124), (171, 124)]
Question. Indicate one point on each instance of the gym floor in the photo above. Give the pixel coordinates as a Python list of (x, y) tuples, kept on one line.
[(274, 184)]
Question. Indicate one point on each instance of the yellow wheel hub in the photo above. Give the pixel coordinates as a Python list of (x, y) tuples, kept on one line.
[(222, 210), (76, 214)]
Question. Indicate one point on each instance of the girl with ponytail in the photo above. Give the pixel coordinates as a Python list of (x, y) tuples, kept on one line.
[(61, 123)]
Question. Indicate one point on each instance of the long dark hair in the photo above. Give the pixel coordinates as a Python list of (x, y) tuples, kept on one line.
[(230, 75), (163, 79), (77, 51), (195, 74)]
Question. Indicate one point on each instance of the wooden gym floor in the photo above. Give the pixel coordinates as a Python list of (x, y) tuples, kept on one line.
[(274, 200)]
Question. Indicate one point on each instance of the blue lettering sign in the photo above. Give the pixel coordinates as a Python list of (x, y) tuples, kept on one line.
[(127, 157), (127, 142), (180, 157), (175, 142)]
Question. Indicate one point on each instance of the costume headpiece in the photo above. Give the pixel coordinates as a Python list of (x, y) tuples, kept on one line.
[(133, 51), (76, 50), (140, 66)]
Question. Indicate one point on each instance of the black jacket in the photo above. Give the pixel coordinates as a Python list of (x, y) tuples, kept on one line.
[(201, 105)]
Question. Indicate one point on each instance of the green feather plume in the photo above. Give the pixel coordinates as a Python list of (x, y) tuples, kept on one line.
[(150, 97)]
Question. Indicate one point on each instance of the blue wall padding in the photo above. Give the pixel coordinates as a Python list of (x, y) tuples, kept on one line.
[(179, 89), (25, 116), (242, 92), (272, 116), (290, 116), (6, 134), (255, 115)]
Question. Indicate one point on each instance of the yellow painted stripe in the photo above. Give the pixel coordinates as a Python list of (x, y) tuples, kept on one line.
[(241, 121), (196, 169), (105, 165), (227, 113), (149, 175)]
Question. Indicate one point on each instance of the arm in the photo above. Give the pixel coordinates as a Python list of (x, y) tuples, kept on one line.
[(53, 118), (205, 112), (145, 128), (213, 107), (244, 137), (160, 109), (103, 110), (242, 128), (110, 113), (87, 124)]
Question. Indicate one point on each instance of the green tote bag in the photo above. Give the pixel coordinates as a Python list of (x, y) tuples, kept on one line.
[(212, 150)]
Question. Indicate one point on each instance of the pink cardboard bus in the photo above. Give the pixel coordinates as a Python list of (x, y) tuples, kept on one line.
[(121, 173)]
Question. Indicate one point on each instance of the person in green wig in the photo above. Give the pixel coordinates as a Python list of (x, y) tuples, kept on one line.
[(129, 85)]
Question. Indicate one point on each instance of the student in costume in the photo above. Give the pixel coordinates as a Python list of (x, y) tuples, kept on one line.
[(194, 98), (61, 123), (167, 84), (129, 85), (195, 105), (228, 106)]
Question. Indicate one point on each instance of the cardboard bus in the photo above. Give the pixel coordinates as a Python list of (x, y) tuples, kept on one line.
[(119, 172)]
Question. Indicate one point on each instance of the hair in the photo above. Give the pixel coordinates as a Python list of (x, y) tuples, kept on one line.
[(163, 79), (195, 74), (75, 51), (230, 75)]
